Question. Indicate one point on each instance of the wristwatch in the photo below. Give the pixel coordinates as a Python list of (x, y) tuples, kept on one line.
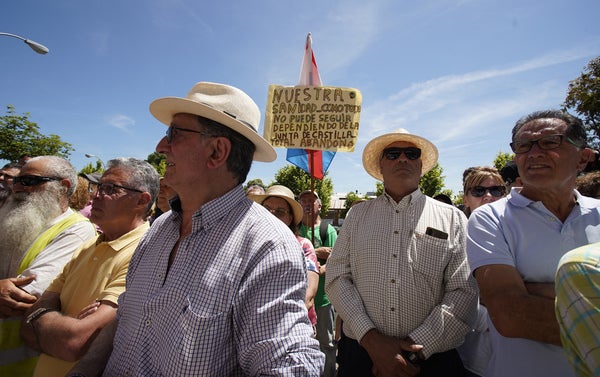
[(37, 313)]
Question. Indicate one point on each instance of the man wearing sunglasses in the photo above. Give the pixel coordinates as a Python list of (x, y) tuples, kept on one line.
[(515, 244), (398, 275), (39, 234), (83, 298), (7, 175), (217, 286)]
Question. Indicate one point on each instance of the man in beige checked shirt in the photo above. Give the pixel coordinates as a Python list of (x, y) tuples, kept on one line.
[(398, 275)]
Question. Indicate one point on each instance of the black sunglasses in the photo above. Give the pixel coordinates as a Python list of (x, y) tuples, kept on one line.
[(479, 191), (412, 153), (34, 180), (172, 132)]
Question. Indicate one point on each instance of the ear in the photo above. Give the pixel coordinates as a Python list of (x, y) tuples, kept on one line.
[(220, 148), (144, 199), (585, 156), (66, 184)]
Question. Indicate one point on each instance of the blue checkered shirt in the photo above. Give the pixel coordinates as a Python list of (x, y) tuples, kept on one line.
[(231, 304)]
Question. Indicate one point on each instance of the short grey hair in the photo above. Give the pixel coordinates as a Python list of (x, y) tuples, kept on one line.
[(141, 176)]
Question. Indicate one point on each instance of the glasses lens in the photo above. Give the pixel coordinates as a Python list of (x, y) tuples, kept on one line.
[(30, 180), (412, 153), (392, 154), (169, 134), (550, 142), (495, 191)]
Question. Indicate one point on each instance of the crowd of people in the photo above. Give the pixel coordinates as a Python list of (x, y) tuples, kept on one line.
[(129, 273)]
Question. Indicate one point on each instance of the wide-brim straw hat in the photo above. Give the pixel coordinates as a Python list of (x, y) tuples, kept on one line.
[(283, 193), (222, 103), (373, 151)]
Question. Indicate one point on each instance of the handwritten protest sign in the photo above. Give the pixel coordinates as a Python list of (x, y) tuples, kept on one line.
[(313, 117)]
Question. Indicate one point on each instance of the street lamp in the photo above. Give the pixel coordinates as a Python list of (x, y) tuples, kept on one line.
[(96, 157), (37, 47)]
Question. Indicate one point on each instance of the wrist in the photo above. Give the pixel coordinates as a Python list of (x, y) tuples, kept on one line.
[(36, 314)]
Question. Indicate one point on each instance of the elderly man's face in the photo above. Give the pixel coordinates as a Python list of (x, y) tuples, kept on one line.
[(34, 168), (401, 172), (187, 153), (549, 169)]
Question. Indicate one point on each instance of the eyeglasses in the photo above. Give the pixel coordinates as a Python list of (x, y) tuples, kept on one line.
[(34, 180), (546, 142), (108, 189), (495, 191), (278, 212), (172, 132), (412, 153)]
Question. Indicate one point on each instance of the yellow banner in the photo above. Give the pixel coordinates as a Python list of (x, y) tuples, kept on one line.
[(313, 117)]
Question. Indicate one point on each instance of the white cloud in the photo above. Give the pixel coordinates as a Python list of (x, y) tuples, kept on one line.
[(122, 122)]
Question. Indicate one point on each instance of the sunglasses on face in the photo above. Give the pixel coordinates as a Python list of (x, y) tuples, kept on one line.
[(172, 132), (34, 180), (411, 153), (546, 143), (495, 191), (108, 189), (278, 212)]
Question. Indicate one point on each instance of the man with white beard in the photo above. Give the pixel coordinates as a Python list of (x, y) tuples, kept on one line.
[(38, 235)]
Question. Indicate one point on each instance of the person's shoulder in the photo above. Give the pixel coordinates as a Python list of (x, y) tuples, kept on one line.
[(589, 254)]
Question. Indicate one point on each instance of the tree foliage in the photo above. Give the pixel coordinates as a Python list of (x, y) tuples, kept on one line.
[(584, 97), (298, 180), (432, 182), (18, 136), (502, 158), (159, 161), (89, 168)]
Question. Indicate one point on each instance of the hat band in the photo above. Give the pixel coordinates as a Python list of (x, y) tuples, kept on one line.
[(250, 126)]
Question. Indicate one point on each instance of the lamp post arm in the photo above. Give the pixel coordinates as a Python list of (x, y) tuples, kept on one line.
[(35, 46)]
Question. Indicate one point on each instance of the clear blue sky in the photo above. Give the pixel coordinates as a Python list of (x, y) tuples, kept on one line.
[(459, 73)]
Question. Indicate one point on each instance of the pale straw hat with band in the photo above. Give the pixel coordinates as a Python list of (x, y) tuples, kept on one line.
[(374, 150), (285, 194), (224, 104)]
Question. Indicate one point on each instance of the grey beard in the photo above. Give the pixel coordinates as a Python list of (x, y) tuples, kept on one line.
[(23, 217)]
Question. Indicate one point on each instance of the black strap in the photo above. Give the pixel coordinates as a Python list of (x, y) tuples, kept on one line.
[(323, 232)]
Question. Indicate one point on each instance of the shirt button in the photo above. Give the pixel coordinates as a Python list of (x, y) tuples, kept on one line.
[(396, 232), (397, 211), (393, 309), (393, 281), (395, 255), (148, 322)]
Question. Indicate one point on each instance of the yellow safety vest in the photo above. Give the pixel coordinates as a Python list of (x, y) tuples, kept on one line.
[(16, 359)]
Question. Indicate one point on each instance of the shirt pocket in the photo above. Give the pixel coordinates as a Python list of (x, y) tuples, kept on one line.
[(429, 259), (187, 340)]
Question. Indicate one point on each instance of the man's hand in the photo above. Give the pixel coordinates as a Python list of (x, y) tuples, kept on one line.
[(14, 300), (88, 310), (387, 354), (323, 252)]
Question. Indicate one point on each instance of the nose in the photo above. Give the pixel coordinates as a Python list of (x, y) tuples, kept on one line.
[(163, 145)]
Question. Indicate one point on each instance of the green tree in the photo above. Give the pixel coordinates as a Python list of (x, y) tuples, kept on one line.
[(584, 97), (432, 182), (298, 180), (159, 161), (379, 188), (501, 159), (18, 136), (89, 168)]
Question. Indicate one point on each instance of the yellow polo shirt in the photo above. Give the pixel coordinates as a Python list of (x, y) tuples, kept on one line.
[(96, 273)]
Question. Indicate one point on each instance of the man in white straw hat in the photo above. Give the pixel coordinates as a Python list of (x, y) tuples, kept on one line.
[(217, 286), (398, 275)]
